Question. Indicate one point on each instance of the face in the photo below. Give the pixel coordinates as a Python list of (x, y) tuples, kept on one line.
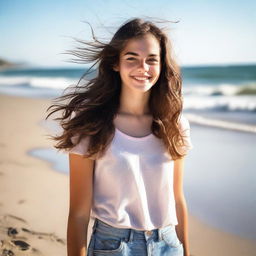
[(139, 63)]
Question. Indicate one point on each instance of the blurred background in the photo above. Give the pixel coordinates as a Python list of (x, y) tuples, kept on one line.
[(214, 43)]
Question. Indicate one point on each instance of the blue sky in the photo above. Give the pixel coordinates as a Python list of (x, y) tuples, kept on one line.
[(208, 32)]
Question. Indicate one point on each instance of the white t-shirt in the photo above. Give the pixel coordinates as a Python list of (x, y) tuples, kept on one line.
[(133, 181)]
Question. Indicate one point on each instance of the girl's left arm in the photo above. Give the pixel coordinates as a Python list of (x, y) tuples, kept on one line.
[(181, 206)]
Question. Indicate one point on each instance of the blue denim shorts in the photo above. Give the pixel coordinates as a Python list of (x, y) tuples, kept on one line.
[(109, 240)]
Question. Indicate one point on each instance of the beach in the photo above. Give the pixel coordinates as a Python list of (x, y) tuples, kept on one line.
[(34, 198)]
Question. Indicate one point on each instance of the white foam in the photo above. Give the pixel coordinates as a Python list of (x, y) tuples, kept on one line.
[(226, 103), (222, 89), (221, 124), (35, 81)]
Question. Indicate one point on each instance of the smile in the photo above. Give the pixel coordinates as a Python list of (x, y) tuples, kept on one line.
[(141, 78)]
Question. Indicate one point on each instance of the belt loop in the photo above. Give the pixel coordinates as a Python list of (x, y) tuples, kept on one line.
[(160, 234), (131, 235), (94, 225)]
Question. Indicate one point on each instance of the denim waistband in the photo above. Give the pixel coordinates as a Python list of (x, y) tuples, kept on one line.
[(130, 234)]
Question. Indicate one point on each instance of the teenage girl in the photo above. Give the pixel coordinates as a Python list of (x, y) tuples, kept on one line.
[(127, 137)]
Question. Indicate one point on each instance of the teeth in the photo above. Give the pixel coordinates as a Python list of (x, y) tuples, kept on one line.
[(141, 78)]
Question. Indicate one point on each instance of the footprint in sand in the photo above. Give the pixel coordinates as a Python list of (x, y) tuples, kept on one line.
[(21, 244), (7, 253), (12, 231), (15, 236)]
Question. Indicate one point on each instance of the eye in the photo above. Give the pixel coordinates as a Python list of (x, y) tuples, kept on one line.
[(154, 60), (151, 60)]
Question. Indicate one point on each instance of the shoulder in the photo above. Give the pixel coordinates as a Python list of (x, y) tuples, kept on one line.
[(183, 122), (80, 147)]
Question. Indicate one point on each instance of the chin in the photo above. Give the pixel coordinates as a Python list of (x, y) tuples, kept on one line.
[(144, 88)]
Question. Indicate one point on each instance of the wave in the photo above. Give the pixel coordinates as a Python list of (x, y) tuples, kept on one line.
[(221, 89), (62, 82), (245, 103), (224, 97), (36, 81), (197, 119)]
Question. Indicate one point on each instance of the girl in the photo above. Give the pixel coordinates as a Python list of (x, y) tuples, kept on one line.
[(126, 140)]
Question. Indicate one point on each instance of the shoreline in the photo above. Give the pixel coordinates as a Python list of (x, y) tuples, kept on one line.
[(27, 183)]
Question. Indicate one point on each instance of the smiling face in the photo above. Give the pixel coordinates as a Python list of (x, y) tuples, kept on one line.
[(139, 63)]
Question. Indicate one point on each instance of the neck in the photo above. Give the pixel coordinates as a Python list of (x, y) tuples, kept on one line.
[(134, 103)]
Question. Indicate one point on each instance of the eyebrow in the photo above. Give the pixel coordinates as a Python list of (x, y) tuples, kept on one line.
[(136, 54)]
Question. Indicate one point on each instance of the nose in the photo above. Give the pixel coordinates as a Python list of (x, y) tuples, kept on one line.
[(143, 66)]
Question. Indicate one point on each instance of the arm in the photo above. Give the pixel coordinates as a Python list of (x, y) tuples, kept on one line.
[(181, 206), (81, 191)]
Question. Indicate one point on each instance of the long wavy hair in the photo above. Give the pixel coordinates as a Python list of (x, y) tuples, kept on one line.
[(89, 110)]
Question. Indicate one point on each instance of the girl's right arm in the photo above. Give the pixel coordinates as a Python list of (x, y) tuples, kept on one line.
[(81, 191)]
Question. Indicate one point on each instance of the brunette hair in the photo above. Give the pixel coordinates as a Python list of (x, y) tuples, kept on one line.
[(92, 106)]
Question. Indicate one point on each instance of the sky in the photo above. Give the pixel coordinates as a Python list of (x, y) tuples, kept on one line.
[(207, 32)]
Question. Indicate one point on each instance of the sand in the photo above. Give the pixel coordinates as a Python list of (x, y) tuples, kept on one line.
[(34, 197)]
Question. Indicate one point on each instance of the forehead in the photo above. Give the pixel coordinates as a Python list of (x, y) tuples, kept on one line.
[(147, 44)]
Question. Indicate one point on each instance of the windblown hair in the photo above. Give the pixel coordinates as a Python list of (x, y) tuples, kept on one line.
[(91, 107)]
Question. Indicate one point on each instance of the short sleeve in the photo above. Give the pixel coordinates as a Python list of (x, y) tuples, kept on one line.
[(82, 147), (184, 127)]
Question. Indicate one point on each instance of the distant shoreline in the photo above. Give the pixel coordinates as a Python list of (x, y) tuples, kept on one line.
[(4, 64)]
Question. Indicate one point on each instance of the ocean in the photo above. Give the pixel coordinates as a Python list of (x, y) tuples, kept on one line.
[(220, 103), (223, 93)]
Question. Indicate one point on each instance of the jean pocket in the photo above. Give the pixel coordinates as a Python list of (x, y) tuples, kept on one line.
[(107, 244), (171, 239)]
